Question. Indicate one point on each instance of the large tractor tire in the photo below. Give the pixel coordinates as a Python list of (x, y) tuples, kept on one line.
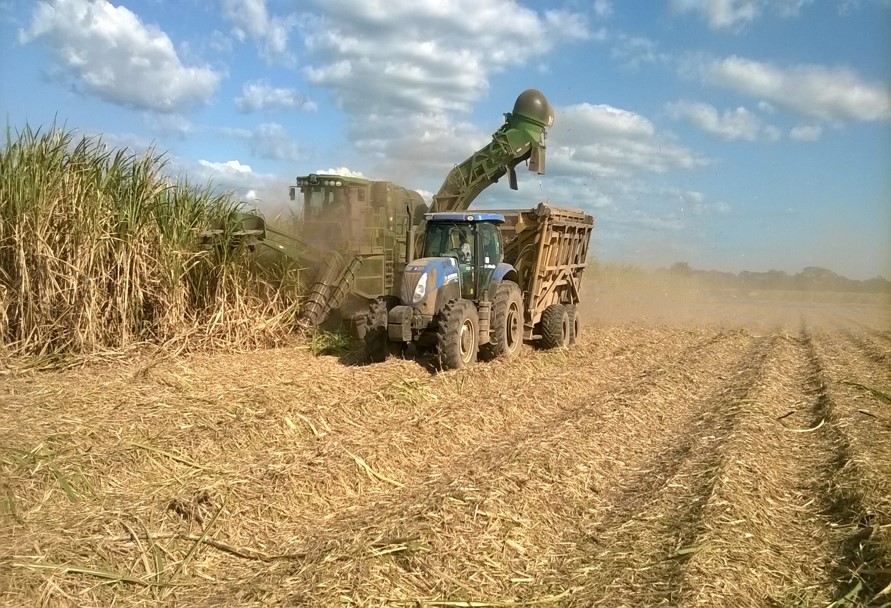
[(575, 323), (457, 335), (377, 344), (556, 327), (507, 322)]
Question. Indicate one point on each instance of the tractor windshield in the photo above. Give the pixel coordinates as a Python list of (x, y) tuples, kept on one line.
[(450, 239), (476, 246)]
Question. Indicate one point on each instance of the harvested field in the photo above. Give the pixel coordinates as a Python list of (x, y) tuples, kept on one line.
[(694, 449)]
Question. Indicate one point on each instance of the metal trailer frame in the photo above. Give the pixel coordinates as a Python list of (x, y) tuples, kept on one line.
[(548, 247)]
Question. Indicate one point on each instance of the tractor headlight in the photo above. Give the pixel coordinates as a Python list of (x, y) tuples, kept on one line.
[(420, 289)]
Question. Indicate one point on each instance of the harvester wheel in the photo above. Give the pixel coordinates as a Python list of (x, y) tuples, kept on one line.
[(376, 341), (575, 323), (556, 328), (457, 335), (507, 322)]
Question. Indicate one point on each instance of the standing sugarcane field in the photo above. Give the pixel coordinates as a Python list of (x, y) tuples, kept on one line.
[(296, 309)]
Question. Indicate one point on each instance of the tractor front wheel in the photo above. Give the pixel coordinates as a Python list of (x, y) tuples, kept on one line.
[(376, 341), (457, 335), (507, 322)]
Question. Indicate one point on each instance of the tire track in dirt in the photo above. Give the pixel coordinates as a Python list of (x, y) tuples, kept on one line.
[(870, 349), (648, 359), (515, 494), (864, 338), (337, 527), (286, 498), (450, 417), (765, 540), (858, 497), (636, 553)]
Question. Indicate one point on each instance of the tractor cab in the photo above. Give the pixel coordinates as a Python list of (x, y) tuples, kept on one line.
[(473, 241)]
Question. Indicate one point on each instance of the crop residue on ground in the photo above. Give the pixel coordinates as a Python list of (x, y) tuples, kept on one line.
[(732, 451)]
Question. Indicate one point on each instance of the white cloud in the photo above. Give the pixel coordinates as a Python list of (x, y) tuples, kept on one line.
[(603, 8), (344, 171), (721, 14), (250, 18), (116, 57), (169, 124), (634, 51), (695, 203), (266, 190), (425, 145), (230, 167), (738, 123), (610, 142), (806, 132), (847, 7), (736, 14), (603, 120), (270, 140), (260, 95), (400, 67), (834, 94)]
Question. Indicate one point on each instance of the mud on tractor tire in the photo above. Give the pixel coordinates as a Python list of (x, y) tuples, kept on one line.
[(507, 323), (457, 335), (556, 326)]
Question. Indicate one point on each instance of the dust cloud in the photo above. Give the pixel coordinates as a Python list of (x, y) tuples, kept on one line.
[(616, 296)]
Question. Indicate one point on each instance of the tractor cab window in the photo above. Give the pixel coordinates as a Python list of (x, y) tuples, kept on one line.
[(490, 254), (490, 244), (451, 239), (457, 240)]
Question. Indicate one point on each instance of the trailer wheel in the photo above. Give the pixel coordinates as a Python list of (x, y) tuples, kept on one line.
[(575, 323), (556, 328), (507, 322), (457, 335)]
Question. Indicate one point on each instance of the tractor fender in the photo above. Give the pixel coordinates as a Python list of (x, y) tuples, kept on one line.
[(505, 272)]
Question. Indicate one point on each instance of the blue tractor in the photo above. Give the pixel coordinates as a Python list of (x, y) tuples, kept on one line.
[(459, 299)]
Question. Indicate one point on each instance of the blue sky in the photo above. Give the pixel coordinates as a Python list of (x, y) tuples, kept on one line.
[(728, 134)]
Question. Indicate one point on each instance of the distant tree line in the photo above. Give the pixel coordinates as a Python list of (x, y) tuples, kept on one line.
[(812, 278)]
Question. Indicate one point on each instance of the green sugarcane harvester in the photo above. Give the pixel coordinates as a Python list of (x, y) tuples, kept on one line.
[(487, 281), (356, 235)]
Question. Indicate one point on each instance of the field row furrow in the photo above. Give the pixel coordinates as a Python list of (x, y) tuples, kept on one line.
[(858, 487), (764, 540), (505, 508), (653, 519), (879, 354)]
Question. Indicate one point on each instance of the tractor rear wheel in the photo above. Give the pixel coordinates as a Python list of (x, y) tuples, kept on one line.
[(556, 329), (457, 336), (507, 322)]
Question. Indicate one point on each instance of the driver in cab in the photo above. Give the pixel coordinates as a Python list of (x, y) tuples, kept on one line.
[(464, 249)]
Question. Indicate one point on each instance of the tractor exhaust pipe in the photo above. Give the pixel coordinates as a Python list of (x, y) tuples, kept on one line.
[(409, 237)]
